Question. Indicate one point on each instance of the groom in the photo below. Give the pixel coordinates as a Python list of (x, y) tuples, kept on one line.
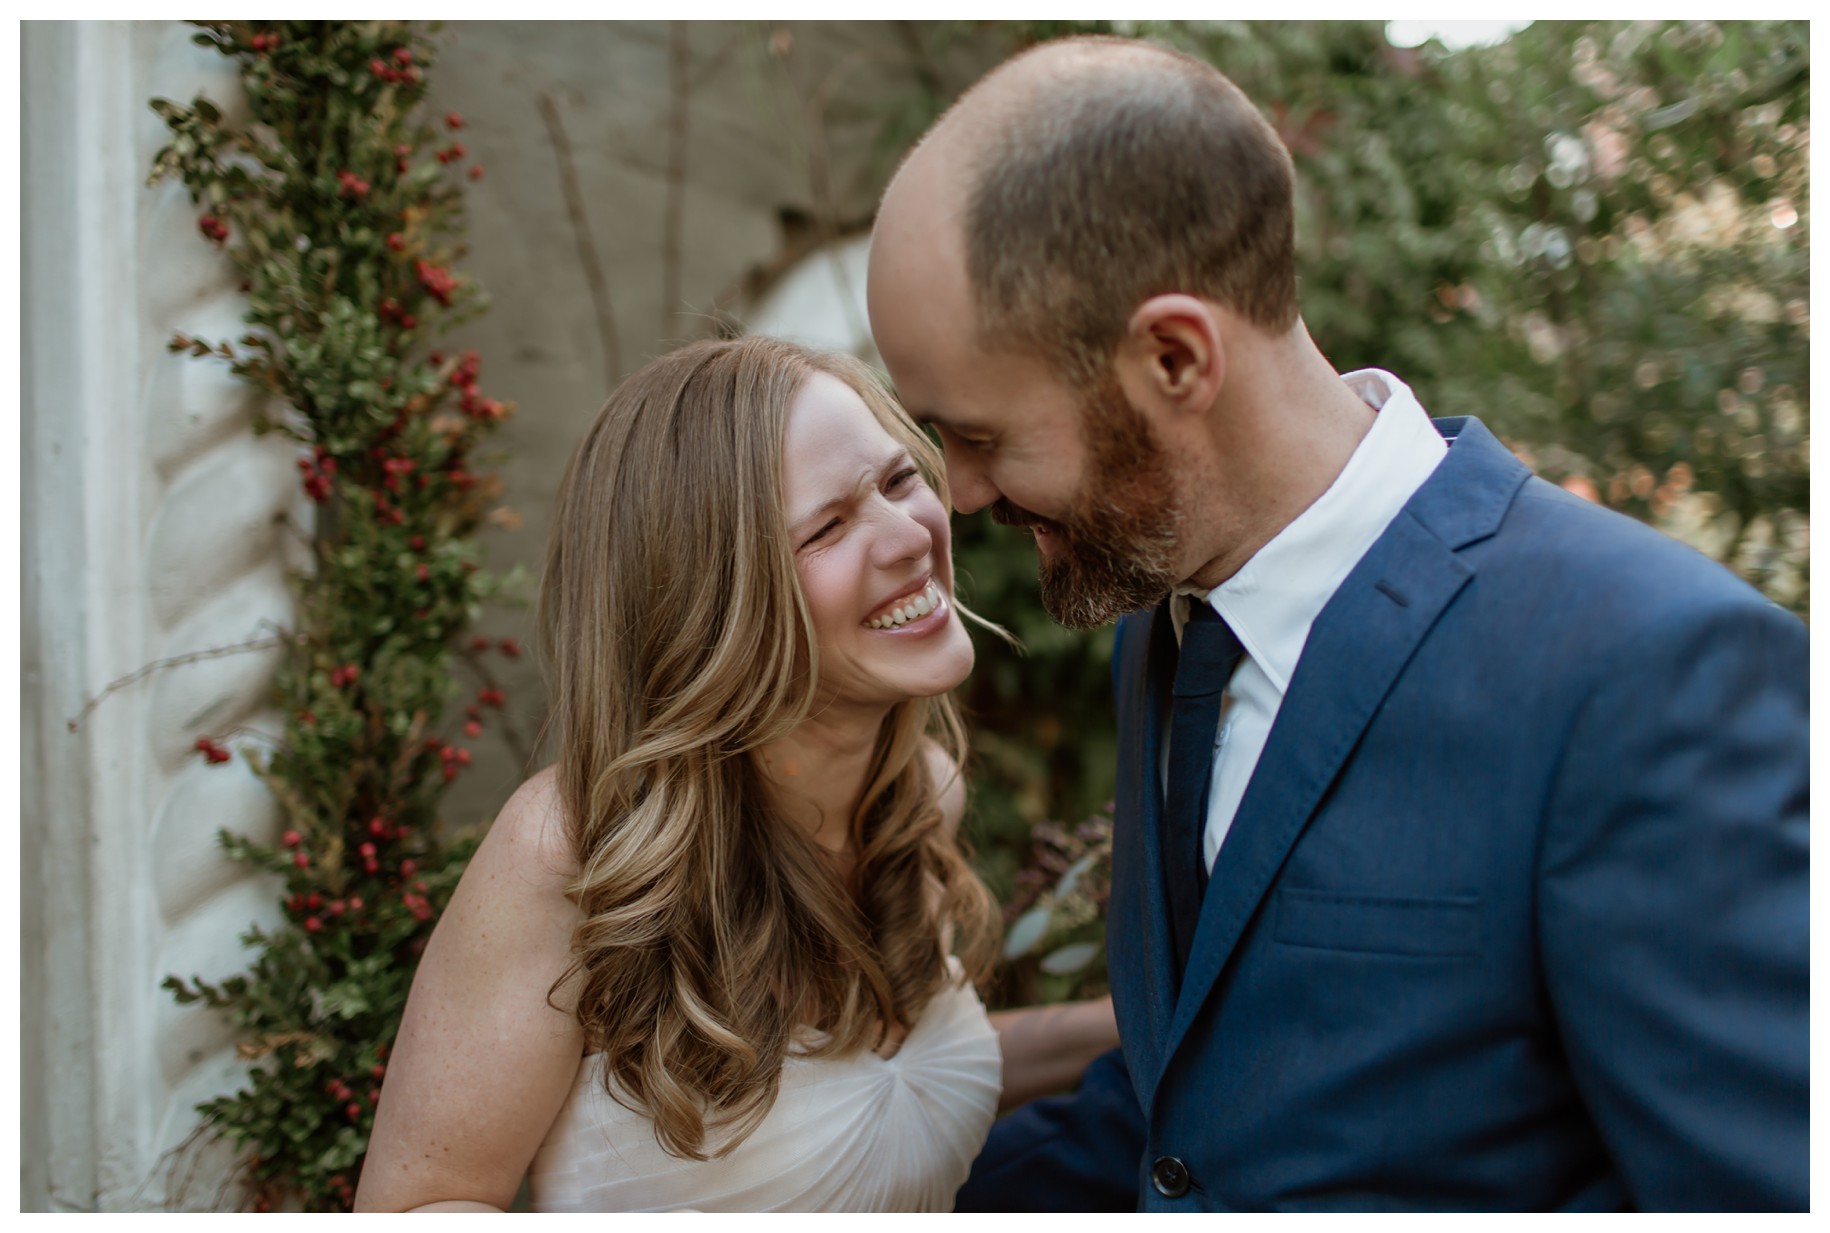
[(1461, 855)]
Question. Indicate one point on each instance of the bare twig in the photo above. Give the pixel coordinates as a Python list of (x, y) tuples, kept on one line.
[(157, 665), (511, 734), (581, 235), (674, 221)]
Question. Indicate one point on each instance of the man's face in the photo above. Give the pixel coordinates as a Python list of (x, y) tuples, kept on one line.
[(1080, 471), (1111, 549)]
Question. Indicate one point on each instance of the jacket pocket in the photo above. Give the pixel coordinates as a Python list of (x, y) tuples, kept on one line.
[(1439, 927)]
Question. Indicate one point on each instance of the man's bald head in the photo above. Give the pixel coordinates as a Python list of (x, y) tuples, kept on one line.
[(1086, 175)]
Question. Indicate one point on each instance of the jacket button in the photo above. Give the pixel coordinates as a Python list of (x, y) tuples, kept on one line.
[(1169, 1176)]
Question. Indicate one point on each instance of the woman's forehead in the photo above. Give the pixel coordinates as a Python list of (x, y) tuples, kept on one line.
[(832, 443)]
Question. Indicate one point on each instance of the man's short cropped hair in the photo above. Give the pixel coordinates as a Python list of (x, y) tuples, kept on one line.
[(1134, 171)]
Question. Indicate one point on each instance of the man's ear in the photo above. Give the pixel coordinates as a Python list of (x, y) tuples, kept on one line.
[(1172, 357)]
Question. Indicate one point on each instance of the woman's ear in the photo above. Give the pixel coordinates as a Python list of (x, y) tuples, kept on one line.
[(1172, 359)]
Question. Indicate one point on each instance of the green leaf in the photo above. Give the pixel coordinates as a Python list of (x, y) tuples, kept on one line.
[(1026, 931), (1072, 958)]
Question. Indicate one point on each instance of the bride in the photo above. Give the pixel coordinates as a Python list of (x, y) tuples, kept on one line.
[(719, 955)]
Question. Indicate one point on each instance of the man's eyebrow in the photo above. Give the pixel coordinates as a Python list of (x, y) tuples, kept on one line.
[(959, 427)]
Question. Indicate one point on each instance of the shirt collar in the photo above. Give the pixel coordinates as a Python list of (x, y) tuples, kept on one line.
[(1276, 596)]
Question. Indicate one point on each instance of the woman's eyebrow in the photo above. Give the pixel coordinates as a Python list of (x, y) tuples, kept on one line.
[(866, 479)]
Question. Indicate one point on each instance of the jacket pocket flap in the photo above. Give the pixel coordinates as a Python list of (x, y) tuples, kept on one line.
[(1440, 927)]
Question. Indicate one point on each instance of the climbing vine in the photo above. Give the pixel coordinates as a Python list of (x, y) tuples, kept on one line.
[(341, 206)]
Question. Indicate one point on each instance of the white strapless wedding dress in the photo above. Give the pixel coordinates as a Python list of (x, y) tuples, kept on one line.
[(857, 1134)]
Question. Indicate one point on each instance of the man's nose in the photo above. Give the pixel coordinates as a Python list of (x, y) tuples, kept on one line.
[(967, 483)]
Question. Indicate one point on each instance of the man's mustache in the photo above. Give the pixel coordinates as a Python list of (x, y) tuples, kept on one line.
[(1008, 513)]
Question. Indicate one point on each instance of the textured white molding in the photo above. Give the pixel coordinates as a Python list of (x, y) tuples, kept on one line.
[(187, 864), (151, 528), (205, 942)]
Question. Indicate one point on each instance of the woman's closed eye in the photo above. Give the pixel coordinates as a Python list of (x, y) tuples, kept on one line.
[(831, 525)]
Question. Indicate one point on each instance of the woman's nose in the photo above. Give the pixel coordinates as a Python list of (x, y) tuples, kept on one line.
[(902, 537)]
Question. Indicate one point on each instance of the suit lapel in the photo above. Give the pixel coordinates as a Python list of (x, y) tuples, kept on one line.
[(1355, 651), (1140, 951)]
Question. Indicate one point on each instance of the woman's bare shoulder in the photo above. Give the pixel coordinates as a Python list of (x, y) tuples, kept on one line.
[(531, 837)]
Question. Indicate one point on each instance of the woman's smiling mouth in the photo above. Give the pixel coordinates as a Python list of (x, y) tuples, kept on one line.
[(909, 608)]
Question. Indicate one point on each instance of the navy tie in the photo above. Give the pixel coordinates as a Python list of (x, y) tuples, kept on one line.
[(1209, 654)]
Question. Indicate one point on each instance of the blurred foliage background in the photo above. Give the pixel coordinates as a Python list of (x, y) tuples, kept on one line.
[(1594, 236)]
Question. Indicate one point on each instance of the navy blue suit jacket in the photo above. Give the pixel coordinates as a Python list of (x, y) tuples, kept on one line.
[(1513, 914)]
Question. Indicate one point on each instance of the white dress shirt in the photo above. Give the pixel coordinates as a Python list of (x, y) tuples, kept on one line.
[(1276, 596)]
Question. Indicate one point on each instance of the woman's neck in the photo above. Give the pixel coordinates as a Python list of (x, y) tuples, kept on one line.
[(818, 774)]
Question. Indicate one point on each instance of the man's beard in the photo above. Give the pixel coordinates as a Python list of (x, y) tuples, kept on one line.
[(1115, 546)]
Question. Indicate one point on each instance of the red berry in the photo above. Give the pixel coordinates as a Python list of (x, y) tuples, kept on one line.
[(313, 925), (409, 322), (423, 571), (408, 868), (511, 648), (451, 771), (417, 543), (378, 826), (292, 839), (454, 121), (479, 643), (473, 729), (301, 860), (367, 849), (314, 901), (335, 907), (463, 756), (377, 1071), (353, 1109), (396, 241), (355, 903), (403, 55), (476, 172), (457, 150), (379, 68)]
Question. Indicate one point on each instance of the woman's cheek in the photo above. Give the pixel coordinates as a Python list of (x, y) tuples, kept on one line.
[(822, 582), (933, 515)]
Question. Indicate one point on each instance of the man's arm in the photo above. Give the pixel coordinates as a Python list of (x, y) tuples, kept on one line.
[(1076, 1153), (1674, 909)]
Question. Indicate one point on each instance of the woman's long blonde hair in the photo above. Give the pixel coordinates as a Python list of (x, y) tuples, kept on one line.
[(679, 642)]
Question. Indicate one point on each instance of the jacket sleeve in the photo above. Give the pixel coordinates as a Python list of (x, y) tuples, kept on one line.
[(1674, 909), (1078, 1153)]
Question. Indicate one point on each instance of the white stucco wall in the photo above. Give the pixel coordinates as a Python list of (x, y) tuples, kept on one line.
[(150, 530)]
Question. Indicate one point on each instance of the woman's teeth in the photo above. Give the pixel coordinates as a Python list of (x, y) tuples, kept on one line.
[(908, 609)]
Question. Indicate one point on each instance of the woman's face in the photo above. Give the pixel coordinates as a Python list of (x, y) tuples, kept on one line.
[(873, 551)]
